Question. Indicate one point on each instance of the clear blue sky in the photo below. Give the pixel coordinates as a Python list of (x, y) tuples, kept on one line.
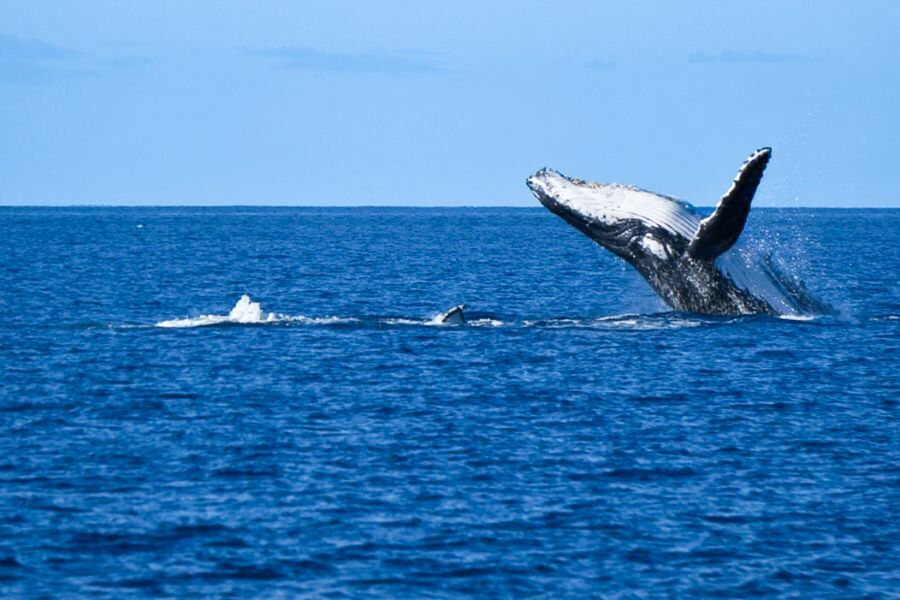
[(422, 102)]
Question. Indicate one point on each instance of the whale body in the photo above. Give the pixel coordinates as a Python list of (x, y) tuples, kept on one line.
[(688, 260)]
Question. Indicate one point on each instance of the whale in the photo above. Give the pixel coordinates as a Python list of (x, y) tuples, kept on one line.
[(454, 316), (689, 260)]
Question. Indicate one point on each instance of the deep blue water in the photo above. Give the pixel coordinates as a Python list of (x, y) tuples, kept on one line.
[(577, 439)]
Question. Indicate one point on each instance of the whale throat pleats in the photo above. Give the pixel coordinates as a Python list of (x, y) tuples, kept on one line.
[(719, 231)]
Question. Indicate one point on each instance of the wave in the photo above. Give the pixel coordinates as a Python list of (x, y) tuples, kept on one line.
[(795, 317), (629, 321), (249, 312)]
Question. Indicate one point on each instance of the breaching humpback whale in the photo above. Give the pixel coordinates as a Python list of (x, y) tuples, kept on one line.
[(687, 260)]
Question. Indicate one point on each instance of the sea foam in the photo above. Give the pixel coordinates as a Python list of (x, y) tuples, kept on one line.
[(248, 312)]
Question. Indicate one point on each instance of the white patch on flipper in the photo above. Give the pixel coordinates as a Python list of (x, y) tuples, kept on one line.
[(654, 247)]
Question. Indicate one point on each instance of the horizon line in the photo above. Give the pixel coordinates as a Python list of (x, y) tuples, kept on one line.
[(238, 205)]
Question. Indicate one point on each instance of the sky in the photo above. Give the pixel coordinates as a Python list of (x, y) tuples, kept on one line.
[(333, 102)]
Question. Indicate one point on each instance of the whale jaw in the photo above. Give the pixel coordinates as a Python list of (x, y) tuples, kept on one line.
[(634, 224)]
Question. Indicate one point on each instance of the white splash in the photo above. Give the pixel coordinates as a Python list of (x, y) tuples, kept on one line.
[(405, 321), (485, 323), (797, 317), (248, 312), (758, 278)]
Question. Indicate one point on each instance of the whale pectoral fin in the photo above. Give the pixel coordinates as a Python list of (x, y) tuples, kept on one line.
[(719, 231), (454, 316)]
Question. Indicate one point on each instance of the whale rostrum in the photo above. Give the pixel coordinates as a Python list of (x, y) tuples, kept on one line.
[(690, 262)]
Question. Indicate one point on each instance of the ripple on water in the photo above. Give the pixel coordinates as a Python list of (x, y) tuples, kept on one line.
[(574, 439)]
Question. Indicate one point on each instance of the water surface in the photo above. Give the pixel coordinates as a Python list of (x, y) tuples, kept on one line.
[(575, 438)]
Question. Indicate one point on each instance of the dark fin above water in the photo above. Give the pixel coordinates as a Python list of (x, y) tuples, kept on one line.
[(454, 316), (719, 231)]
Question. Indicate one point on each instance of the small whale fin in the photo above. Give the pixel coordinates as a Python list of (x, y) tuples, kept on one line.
[(719, 231), (454, 316)]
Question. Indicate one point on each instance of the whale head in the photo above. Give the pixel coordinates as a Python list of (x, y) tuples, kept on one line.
[(635, 224)]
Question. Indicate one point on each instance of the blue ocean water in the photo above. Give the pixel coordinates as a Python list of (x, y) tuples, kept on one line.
[(575, 438)]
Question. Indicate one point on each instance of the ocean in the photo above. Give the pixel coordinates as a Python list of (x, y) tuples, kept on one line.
[(161, 434)]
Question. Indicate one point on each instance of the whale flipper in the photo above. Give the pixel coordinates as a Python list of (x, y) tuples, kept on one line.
[(454, 316), (719, 231)]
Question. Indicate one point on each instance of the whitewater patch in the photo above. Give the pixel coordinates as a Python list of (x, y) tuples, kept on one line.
[(435, 321), (627, 322), (248, 312), (798, 317), (888, 318)]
